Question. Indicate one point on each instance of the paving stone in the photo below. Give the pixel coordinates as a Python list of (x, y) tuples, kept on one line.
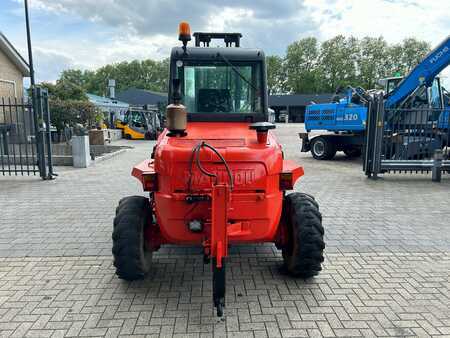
[(386, 269)]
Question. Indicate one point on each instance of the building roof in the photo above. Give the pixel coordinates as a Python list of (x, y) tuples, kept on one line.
[(140, 97), (298, 99), (107, 104), (12, 54)]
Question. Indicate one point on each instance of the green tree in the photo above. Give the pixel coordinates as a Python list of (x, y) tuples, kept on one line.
[(71, 112), (307, 67), (338, 63), (372, 62), (404, 56), (74, 76), (155, 75), (275, 74), (301, 64), (65, 90), (146, 74), (69, 103)]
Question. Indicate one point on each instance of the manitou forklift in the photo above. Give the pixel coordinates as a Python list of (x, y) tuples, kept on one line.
[(217, 175)]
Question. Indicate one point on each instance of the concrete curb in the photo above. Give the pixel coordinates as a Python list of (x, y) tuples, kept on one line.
[(107, 156)]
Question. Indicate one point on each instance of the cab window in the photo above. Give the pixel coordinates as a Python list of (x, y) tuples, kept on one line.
[(222, 88), (435, 95)]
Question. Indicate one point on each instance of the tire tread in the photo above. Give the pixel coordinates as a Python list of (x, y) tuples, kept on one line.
[(132, 216), (307, 231)]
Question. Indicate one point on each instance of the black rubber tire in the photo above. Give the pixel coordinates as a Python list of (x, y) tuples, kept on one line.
[(132, 203), (303, 254), (329, 149), (353, 152), (128, 136), (132, 258)]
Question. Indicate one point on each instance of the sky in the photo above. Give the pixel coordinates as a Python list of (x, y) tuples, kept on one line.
[(87, 34)]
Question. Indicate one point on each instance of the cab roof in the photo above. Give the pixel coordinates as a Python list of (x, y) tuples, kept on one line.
[(213, 53)]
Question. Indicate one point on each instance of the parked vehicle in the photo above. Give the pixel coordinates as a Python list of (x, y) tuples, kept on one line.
[(284, 116), (139, 124), (345, 118)]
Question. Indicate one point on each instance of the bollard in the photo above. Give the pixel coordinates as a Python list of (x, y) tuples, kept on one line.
[(80, 151)]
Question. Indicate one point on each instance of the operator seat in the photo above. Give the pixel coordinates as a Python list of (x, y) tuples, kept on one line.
[(214, 101)]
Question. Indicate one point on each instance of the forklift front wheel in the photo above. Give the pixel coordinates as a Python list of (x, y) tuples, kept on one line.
[(322, 148), (132, 256), (303, 250)]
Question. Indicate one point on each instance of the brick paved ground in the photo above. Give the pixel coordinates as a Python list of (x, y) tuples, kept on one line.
[(387, 268)]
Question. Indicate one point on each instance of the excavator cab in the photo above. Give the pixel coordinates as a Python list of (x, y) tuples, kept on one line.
[(425, 96), (390, 83)]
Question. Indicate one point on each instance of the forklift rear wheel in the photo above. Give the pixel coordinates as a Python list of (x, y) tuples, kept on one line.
[(322, 148), (303, 252), (352, 152), (128, 136), (132, 257)]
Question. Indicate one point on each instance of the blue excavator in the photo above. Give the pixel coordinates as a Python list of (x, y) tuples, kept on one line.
[(344, 119)]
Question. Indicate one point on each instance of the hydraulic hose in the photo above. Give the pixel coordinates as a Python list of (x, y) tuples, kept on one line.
[(196, 153)]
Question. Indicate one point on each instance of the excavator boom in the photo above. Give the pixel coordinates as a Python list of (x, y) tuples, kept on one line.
[(423, 74)]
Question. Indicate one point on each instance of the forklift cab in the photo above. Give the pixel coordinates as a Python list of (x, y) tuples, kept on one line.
[(136, 119), (220, 84), (141, 124)]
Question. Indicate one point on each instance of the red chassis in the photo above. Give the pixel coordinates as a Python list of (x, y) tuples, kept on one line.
[(214, 190), (249, 213)]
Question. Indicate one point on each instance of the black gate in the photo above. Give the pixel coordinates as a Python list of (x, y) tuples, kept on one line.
[(407, 140), (25, 136)]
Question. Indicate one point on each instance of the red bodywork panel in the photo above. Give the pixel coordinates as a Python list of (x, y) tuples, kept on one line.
[(254, 209)]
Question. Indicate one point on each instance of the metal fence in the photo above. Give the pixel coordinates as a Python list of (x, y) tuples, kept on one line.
[(407, 140), (25, 143)]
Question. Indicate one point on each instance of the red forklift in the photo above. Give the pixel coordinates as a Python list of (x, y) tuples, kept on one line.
[(217, 175)]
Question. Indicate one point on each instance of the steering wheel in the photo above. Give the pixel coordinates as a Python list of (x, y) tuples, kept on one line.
[(219, 105)]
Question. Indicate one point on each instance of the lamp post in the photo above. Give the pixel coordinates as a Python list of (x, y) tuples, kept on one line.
[(37, 117), (30, 51)]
